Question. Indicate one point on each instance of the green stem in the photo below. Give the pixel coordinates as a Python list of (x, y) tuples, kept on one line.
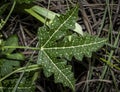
[(23, 72), (11, 10), (20, 47), (29, 68), (108, 61)]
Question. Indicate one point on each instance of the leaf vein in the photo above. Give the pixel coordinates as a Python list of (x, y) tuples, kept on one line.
[(58, 68), (59, 27), (74, 46)]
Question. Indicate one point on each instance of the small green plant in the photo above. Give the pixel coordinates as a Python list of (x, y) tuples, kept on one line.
[(56, 40), (8, 59), (57, 44)]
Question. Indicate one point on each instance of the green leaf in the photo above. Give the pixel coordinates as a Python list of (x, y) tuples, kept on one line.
[(11, 41), (62, 72), (15, 56), (7, 66), (57, 41), (58, 27), (44, 12), (12, 60), (74, 45), (41, 14)]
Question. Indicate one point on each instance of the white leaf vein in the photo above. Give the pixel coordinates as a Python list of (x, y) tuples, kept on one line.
[(72, 47), (59, 27), (58, 69)]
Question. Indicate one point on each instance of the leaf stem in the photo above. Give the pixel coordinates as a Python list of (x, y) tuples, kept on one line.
[(29, 68), (11, 10), (20, 47)]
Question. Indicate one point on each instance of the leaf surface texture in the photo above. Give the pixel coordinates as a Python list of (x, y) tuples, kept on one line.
[(58, 41)]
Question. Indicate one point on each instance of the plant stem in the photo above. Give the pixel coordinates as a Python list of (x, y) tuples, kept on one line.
[(11, 10), (20, 47), (23, 72), (29, 68)]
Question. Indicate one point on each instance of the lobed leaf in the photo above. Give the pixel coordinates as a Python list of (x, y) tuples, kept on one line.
[(57, 41), (62, 72), (46, 35), (77, 46), (40, 13), (58, 27)]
